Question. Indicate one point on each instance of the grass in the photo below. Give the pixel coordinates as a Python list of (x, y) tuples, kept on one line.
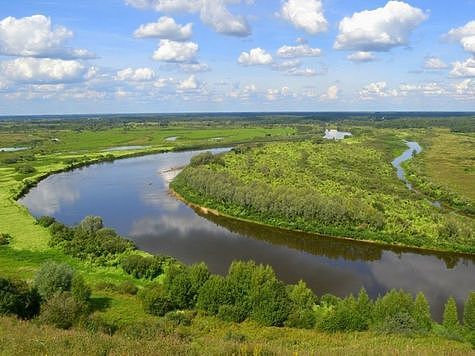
[(212, 337)]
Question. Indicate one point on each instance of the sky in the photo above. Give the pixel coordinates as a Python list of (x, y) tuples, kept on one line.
[(120, 56)]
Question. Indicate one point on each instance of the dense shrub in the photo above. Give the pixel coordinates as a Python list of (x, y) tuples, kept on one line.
[(52, 278), (400, 323), (180, 317), (143, 267), (45, 221), (16, 298), (206, 158), (469, 313), (450, 319), (80, 290), (5, 238), (156, 300), (127, 287), (91, 224), (235, 313), (214, 293), (422, 313), (25, 169), (62, 310), (302, 301), (198, 274)]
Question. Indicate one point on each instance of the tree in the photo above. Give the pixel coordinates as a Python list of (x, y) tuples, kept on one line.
[(91, 224), (213, 294), (52, 278), (469, 312), (80, 290), (422, 313), (178, 285), (155, 300), (62, 310), (302, 302), (450, 319), (17, 298)]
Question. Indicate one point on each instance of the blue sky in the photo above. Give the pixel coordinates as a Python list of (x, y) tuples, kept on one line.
[(236, 55)]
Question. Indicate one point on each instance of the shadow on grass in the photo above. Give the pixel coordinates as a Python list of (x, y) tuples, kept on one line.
[(100, 303)]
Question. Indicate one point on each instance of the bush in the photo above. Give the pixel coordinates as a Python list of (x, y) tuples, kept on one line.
[(127, 287), (155, 300), (400, 323), (16, 298), (80, 291), (206, 158), (178, 285), (469, 313), (303, 300), (214, 293), (25, 169), (52, 278), (45, 221), (422, 313), (450, 319), (62, 310), (91, 224), (5, 239), (180, 317), (143, 267), (198, 274), (391, 306), (234, 313)]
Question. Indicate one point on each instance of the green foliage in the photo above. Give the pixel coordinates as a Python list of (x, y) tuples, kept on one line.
[(16, 298), (91, 224), (198, 274), (155, 299), (25, 169), (421, 313), (127, 287), (450, 319), (235, 313), (45, 221), (214, 293), (178, 284), (180, 317), (143, 267), (469, 313), (80, 290), (206, 158), (5, 239), (302, 300), (62, 310), (53, 278)]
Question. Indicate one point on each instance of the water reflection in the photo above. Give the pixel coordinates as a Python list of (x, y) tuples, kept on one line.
[(132, 197), (413, 149)]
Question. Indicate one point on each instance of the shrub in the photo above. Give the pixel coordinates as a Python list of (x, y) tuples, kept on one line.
[(450, 319), (25, 169), (143, 267), (422, 313), (52, 278), (400, 323), (18, 299), (155, 300), (206, 158), (390, 306), (80, 290), (62, 310), (178, 284), (180, 317), (469, 313), (303, 300), (95, 323), (235, 313), (214, 293), (198, 274), (127, 287), (45, 221), (91, 224), (5, 239)]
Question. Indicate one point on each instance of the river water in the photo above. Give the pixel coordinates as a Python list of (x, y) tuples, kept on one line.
[(132, 196)]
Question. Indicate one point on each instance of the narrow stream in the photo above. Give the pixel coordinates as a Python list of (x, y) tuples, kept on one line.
[(414, 148)]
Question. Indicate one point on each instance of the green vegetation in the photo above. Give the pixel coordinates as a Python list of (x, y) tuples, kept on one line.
[(117, 300)]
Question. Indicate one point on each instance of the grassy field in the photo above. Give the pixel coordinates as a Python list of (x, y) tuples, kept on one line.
[(345, 188), (212, 337)]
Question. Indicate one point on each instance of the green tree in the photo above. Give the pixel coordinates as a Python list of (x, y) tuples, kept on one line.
[(80, 290), (421, 313), (302, 301), (91, 224), (213, 294), (17, 298), (62, 310), (156, 300), (469, 312), (450, 318), (52, 278)]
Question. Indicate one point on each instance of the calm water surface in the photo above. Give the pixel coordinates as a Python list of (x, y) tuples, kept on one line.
[(132, 196)]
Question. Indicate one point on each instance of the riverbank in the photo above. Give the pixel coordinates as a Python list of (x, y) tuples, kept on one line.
[(387, 213)]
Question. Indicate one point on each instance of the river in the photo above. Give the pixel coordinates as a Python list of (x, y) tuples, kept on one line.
[(132, 196)]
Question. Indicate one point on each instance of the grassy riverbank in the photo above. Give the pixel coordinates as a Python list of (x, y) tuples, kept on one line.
[(343, 188)]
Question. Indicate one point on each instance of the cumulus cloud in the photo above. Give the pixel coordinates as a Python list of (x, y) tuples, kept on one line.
[(189, 83), (463, 69), (256, 56), (377, 89), (380, 29), (434, 63), (34, 36), (136, 75), (465, 89), (465, 35), (43, 70), (212, 12), (194, 67), (331, 93), (305, 14), (425, 89), (165, 28), (303, 50), (361, 56), (302, 72), (177, 52), (274, 94)]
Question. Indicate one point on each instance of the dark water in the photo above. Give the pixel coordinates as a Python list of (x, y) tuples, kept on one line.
[(131, 195)]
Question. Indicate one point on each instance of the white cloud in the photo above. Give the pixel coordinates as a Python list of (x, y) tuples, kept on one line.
[(361, 56), (427, 89), (188, 84), (212, 12), (34, 37), (465, 89), (331, 93), (173, 51), (256, 56), (465, 35), (194, 67), (302, 72), (43, 70), (165, 28), (303, 50), (215, 14), (136, 75), (287, 65), (380, 29), (434, 63), (463, 69), (377, 89), (305, 14), (274, 94)]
